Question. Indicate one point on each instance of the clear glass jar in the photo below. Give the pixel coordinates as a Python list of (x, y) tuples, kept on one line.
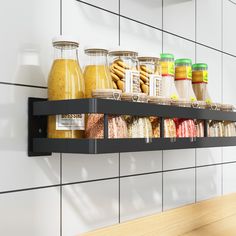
[(168, 76), (185, 128), (183, 79), (124, 69), (117, 127), (229, 126), (138, 127), (200, 81), (65, 82), (199, 124), (150, 75), (96, 73), (215, 127)]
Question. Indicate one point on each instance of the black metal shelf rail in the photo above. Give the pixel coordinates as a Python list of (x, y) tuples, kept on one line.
[(39, 144)]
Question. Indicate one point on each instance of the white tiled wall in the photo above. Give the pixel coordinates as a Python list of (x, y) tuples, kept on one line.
[(31, 199)]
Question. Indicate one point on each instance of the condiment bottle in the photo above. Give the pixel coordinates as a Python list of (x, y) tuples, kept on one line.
[(124, 69), (183, 79), (200, 81), (117, 127), (168, 72), (65, 82), (96, 72), (150, 75), (138, 127)]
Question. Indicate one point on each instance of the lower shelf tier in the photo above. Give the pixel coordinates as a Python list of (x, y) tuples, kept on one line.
[(45, 146)]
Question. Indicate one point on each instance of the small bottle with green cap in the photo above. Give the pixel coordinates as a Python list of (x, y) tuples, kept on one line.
[(183, 79), (168, 72), (200, 81)]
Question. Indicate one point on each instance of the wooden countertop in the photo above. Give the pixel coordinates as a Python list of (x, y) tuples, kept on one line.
[(214, 217)]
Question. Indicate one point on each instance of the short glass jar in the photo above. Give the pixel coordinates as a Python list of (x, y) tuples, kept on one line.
[(117, 127), (199, 124), (150, 75), (138, 127), (229, 126), (124, 68)]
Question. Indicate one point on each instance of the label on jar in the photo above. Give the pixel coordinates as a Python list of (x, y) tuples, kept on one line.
[(168, 68), (200, 76), (183, 73), (155, 85), (132, 84), (70, 122)]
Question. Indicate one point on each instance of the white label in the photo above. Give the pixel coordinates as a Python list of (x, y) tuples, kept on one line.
[(154, 85), (132, 84), (70, 122)]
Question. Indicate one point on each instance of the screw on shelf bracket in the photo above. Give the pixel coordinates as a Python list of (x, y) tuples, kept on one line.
[(37, 128)]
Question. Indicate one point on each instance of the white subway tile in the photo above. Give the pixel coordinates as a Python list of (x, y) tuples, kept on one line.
[(178, 188), (140, 162), (89, 206), (81, 167), (209, 182), (35, 212), (27, 29), (17, 170), (178, 17), (209, 28), (145, 40), (140, 196), (149, 12), (229, 154), (173, 159), (111, 5), (229, 178), (208, 156)]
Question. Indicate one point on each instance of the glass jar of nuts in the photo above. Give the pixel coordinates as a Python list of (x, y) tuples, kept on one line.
[(150, 75), (124, 69)]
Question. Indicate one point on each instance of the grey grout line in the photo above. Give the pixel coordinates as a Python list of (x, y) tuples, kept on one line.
[(119, 192), (23, 85), (113, 178), (61, 194), (156, 28)]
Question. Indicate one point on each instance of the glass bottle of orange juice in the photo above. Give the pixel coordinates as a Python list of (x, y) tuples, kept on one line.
[(66, 82)]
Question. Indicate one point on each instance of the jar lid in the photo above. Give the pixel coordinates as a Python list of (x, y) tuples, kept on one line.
[(167, 56), (199, 104), (159, 100), (181, 103), (200, 66), (227, 107), (153, 59), (94, 50), (65, 40), (182, 61), (214, 106), (134, 97), (123, 53), (107, 93)]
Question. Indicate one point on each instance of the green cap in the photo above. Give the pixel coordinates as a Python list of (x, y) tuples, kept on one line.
[(183, 61), (167, 56), (200, 66)]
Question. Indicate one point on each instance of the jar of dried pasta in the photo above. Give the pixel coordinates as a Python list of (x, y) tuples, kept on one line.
[(229, 126), (124, 69), (183, 79), (117, 127), (199, 124), (138, 127), (150, 75)]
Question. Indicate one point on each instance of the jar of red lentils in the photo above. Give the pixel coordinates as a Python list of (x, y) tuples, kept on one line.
[(117, 127)]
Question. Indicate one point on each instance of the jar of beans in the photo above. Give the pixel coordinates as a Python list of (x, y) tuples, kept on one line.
[(117, 127), (124, 68)]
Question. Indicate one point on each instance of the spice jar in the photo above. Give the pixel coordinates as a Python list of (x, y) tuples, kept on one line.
[(150, 75), (168, 72), (184, 127), (96, 72), (199, 124), (200, 81), (65, 82), (124, 69), (229, 126), (183, 79), (215, 128), (117, 127), (138, 127)]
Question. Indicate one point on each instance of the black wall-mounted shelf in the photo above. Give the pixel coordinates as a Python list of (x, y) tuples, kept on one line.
[(39, 144)]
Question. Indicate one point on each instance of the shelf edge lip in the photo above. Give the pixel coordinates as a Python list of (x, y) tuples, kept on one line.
[(112, 107)]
